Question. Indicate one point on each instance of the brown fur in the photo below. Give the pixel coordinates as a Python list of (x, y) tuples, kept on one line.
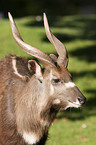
[(10, 85), (23, 103)]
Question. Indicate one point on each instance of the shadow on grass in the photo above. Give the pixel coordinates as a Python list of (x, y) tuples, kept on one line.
[(91, 102), (86, 30), (87, 53), (83, 54), (86, 26), (90, 73), (61, 37), (39, 23)]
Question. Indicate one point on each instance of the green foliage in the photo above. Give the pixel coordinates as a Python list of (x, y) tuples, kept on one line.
[(73, 126)]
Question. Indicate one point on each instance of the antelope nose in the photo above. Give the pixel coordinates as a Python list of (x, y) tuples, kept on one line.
[(82, 100)]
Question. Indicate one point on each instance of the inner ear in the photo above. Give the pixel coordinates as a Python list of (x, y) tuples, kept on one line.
[(34, 67)]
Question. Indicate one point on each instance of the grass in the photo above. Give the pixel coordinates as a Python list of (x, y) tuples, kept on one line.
[(78, 33)]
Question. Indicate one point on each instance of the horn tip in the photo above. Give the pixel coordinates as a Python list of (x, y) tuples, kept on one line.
[(44, 14), (45, 20), (9, 14), (10, 17)]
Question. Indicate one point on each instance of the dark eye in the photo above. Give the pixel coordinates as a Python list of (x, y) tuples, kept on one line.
[(57, 81)]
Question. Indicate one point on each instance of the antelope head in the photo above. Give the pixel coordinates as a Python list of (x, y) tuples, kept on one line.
[(55, 86)]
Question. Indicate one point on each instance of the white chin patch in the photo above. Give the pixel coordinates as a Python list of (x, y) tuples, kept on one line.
[(30, 138), (73, 104)]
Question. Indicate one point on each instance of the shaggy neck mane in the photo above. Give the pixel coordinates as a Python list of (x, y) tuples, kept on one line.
[(37, 113)]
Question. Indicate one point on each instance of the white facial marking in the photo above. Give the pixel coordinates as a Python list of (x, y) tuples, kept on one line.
[(15, 68), (70, 85), (30, 138), (51, 90), (56, 101)]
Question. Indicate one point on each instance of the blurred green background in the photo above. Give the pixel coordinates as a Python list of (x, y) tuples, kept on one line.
[(74, 23), (53, 7)]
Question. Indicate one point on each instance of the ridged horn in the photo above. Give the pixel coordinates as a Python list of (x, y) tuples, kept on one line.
[(61, 50), (41, 56)]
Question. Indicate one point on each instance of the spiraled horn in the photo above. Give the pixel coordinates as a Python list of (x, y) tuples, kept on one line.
[(61, 50), (43, 57)]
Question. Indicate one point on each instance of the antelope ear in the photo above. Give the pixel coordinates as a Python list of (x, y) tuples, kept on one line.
[(35, 68), (31, 66), (53, 57)]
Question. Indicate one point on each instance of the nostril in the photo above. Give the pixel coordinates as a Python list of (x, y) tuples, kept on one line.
[(79, 99), (82, 100)]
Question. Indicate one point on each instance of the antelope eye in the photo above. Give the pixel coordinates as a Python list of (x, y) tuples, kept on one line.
[(56, 81)]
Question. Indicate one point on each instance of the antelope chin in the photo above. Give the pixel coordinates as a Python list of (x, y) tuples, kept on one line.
[(73, 104)]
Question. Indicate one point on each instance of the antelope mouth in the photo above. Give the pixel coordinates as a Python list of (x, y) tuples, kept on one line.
[(76, 104)]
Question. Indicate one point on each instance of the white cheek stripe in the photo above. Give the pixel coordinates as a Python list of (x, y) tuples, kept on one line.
[(30, 138), (15, 68), (51, 90), (70, 85)]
